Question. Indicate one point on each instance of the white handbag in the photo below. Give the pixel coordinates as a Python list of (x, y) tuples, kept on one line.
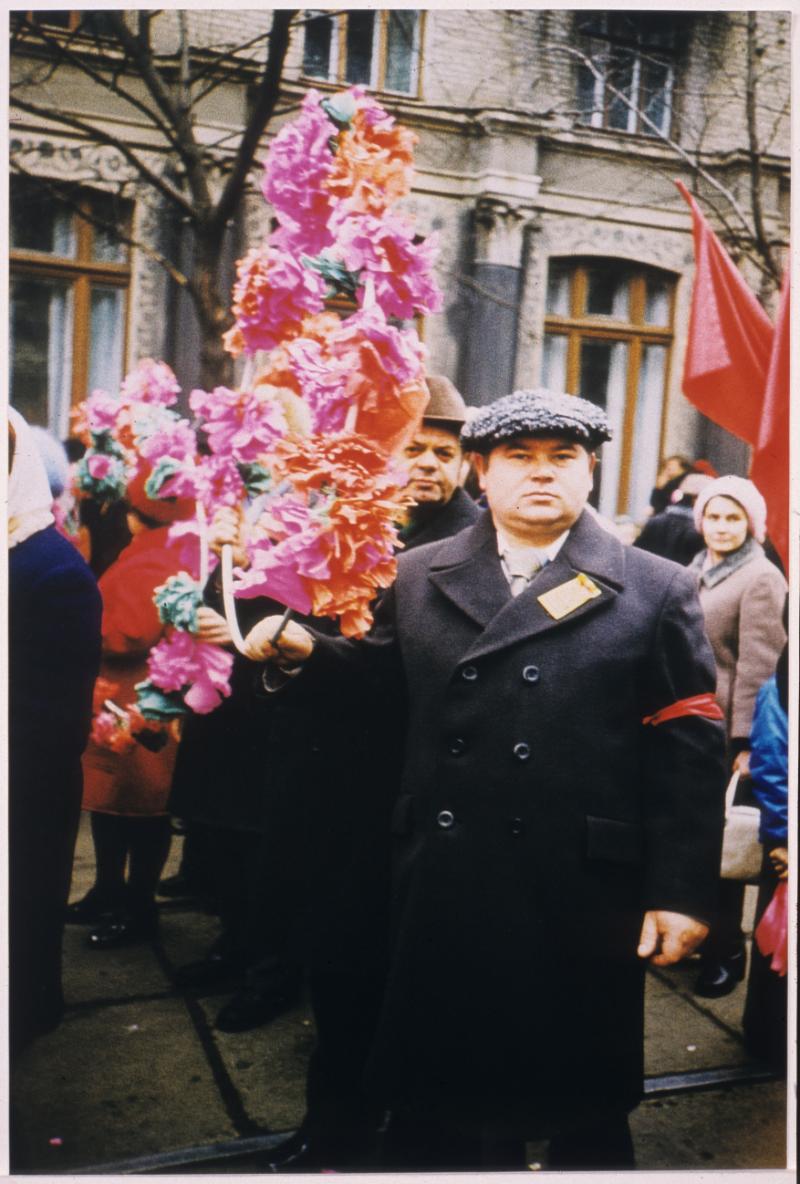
[(741, 851)]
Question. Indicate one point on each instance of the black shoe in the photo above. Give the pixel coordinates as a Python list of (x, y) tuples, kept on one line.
[(720, 978), (251, 1008), (216, 968), (176, 887), (123, 930), (91, 909)]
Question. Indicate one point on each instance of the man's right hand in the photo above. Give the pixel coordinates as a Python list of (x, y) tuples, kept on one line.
[(293, 647)]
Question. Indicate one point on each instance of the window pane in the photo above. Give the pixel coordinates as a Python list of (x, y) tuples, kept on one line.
[(105, 343), (319, 42), (620, 76), (558, 282), (656, 95), (604, 368), (607, 293), (360, 30), (41, 351), (106, 247), (554, 362), (401, 29), (58, 18), (647, 428), (39, 222), (657, 302)]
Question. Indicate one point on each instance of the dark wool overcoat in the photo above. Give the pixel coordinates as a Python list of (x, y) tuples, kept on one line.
[(537, 820)]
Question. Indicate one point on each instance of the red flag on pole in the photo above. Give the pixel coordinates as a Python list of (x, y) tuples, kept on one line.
[(730, 337), (770, 467)]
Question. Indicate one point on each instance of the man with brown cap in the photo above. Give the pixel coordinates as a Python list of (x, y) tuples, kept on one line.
[(433, 460)]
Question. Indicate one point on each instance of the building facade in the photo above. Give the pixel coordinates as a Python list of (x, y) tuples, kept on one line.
[(548, 144)]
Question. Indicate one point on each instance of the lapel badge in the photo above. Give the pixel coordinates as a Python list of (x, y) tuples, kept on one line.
[(566, 598)]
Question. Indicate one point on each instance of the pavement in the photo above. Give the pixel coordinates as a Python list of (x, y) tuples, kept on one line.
[(137, 1080)]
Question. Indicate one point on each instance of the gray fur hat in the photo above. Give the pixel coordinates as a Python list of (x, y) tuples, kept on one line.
[(536, 413)]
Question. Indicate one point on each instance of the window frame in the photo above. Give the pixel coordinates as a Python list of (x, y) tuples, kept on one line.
[(80, 272), (635, 332), (606, 42), (380, 44)]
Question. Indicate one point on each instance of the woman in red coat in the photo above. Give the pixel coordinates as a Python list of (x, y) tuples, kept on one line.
[(126, 793)]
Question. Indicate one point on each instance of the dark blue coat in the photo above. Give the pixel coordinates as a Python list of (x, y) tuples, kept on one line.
[(538, 818), (54, 656)]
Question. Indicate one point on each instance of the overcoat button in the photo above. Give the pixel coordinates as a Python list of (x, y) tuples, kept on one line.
[(531, 673), (522, 751), (445, 819), (469, 674), (516, 826), (457, 746)]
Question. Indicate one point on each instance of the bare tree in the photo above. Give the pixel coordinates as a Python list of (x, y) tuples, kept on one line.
[(197, 178)]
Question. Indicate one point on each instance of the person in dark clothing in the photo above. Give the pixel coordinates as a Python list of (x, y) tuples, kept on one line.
[(672, 533), (54, 655), (673, 470), (559, 820)]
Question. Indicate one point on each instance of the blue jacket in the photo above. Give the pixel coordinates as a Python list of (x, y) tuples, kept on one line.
[(769, 764)]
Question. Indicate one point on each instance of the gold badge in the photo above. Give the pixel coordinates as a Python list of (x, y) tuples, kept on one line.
[(561, 601)]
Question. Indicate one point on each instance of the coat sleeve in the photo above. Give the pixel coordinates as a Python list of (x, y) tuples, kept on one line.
[(761, 639), (769, 765), (131, 624), (684, 769)]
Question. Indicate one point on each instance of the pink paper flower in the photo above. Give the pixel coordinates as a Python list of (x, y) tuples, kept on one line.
[(376, 351), (100, 465), (180, 661), (297, 166), (241, 424), (151, 382), (272, 294), (176, 438), (402, 270), (218, 482), (101, 411), (322, 380)]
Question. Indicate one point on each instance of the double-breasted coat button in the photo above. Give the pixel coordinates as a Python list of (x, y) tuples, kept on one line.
[(469, 673), (522, 751), (515, 826), (530, 673), (457, 746), (445, 819)]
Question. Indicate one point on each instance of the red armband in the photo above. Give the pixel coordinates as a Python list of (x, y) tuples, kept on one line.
[(704, 706)]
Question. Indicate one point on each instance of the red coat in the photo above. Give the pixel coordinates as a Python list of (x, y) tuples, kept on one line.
[(138, 781)]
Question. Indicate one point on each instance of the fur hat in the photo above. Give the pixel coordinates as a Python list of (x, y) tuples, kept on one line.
[(445, 407), (536, 413), (741, 491)]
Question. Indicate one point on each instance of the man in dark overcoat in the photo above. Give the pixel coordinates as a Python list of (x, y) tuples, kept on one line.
[(560, 816)]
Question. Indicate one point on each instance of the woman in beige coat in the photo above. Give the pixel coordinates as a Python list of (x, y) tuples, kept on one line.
[(742, 594)]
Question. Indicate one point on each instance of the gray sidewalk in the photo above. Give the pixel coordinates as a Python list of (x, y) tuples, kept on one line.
[(136, 1078)]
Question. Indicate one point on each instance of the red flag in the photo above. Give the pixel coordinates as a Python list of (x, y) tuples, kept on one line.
[(730, 337), (770, 467)]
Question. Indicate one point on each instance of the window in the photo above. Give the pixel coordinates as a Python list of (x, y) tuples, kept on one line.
[(69, 281), (89, 23), (607, 338), (377, 48), (633, 56)]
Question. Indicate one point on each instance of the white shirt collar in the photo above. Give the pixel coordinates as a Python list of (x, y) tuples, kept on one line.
[(506, 547)]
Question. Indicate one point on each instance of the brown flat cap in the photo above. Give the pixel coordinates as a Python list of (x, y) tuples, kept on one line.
[(445, 405)]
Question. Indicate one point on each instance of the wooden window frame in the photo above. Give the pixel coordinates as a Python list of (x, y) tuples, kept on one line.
[(379, 53), (80, 271), (635, 332)]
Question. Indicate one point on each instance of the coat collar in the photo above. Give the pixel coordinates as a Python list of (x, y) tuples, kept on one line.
[(466, 569)]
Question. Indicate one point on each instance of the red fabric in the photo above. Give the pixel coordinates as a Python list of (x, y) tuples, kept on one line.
[(137, 782), (730, 337), (769, 470), (772, 930), (705, 706)]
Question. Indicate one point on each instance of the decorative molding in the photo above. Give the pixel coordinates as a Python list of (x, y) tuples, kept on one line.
[(45, 155), (500, 226)]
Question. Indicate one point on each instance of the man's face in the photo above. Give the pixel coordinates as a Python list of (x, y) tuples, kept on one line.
[(432, 460), (536, 486)]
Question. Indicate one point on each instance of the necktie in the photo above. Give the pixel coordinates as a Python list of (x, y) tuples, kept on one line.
[(519, 570)]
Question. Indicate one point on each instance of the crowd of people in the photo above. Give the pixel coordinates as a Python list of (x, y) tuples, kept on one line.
[(518, 774)]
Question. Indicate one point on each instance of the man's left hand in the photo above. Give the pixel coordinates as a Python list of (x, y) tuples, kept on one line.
[(667, 938)]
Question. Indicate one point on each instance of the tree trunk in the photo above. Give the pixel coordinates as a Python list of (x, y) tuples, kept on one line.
[(212, 308)]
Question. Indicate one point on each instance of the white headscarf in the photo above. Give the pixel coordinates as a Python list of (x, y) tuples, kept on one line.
[(29, 496)]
